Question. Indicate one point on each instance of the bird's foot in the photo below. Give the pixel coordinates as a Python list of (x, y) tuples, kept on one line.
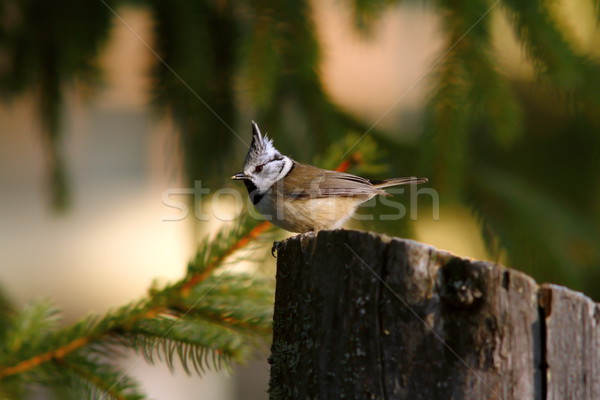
[(306, 238)]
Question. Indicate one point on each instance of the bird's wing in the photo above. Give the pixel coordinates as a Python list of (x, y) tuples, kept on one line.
[(306, 181)]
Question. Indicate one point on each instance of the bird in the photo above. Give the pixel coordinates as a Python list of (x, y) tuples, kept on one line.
[(302, 198)]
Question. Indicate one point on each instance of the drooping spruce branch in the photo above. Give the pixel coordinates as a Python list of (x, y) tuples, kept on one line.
[(551, 52), (471, 97), (203, 320)]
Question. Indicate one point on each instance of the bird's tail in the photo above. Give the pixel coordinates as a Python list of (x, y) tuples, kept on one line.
[(398, 181)]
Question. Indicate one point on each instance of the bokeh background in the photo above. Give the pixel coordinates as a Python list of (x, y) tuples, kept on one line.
[(108, 104)]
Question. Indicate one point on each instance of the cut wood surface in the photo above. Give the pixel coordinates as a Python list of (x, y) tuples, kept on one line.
[(366, 316)]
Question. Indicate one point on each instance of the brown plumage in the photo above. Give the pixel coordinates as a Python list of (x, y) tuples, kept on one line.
[(300, 197), (314, 199)]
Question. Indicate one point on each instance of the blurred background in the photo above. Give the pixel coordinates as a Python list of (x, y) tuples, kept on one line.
[(108, 104)]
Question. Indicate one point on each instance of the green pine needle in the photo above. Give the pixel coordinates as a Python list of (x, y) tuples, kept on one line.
[(219, 319), (95, 378)]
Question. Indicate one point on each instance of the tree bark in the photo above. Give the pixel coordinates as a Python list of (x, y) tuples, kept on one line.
[(572, 343), (365, 316)]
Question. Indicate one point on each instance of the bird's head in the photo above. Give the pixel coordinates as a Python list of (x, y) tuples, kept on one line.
[(264, 164)]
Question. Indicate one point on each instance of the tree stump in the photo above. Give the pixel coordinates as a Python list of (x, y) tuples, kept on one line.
[(366, 316)]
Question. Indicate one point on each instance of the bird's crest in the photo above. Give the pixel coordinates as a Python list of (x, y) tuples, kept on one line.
[(261, 149)]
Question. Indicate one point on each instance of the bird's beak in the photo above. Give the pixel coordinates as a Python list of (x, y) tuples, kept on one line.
[(239, 176)]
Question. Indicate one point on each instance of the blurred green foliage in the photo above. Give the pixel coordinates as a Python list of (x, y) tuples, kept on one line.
[(206, 320), (524, 155), (43, 46)]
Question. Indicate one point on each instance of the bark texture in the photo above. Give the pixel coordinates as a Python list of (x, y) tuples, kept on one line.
[(365, 316)]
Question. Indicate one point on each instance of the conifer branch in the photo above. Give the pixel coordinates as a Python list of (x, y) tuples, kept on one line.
[(551, 52), (107, 389), (55, 354), (197, 278), (89, 377), (124, 320)]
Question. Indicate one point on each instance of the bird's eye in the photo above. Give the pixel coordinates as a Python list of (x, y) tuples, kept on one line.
[(258, 169)]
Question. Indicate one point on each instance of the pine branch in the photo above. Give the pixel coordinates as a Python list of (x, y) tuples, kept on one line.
[(205, 263), (46, 47), (55, 354), (365, 157), (229, 303), (551, 52), (261, 59), (68, 340), (471, 94), (94, 378), (193, 340), (194, 78), (448, 122)]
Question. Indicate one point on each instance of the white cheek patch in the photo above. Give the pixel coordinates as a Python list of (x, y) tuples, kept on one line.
[(274, 173), (287, 167)]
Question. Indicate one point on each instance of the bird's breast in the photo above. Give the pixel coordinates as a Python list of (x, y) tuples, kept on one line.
[(307, 214)]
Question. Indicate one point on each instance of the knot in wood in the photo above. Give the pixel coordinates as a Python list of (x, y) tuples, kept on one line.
[(461, 284)]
